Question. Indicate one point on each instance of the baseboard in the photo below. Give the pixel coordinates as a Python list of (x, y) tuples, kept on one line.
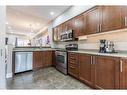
[(9, 75)]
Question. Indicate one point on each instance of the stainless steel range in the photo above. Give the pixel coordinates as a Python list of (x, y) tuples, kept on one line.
[(61, 57)]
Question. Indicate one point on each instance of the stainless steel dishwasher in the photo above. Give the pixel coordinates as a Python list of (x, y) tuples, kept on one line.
[(23, 61)]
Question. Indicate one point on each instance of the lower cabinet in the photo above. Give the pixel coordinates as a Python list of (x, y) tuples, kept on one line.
[(73, 68), (106, 72), (85, 68), (103, 72), (38, 59), (48, 58), (42, 59), (123, 73)]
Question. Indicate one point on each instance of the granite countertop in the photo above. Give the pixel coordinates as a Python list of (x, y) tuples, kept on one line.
[(95, 52), (32, 49), (92, 52)]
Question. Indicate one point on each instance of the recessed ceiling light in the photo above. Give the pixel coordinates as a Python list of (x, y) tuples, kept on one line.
[(51, 13), (7, 23)]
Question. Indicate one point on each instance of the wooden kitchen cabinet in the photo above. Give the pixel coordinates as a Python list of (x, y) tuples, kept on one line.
[(85, 69), (106, 72), (124, 16), (55, 34), (42, 59), (73, 66), (123, 73), (48, 58), (38, 59), (53, 58), (111, 18), (92, 20), (79, 26)]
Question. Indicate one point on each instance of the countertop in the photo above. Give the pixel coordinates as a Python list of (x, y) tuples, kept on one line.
[(92, 52), (32, 49), (95, 52)]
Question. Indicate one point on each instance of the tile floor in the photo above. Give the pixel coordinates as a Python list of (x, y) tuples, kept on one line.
[(48, 78)]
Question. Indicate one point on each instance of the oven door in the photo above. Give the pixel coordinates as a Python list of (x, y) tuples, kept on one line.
[(61, 58)]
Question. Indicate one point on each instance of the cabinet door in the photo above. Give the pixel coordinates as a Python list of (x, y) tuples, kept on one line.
[(48, 58), (59, 29), (111, 18), (85, 62), (123, 73), (53, 58), (69, 24), (107, 72), (55, 34), (124, 16), (92, 18), (73, 67), (38, 59), (79, 25)]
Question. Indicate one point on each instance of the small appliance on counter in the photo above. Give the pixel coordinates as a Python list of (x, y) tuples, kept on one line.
[(102, 46), (106, 46)]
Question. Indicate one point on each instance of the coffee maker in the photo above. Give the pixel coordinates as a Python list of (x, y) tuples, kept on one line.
[(102, 46), (110, 47), (106, 46)]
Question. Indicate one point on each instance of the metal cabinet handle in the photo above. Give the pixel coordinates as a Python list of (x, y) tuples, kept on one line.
[(100, 28), (125, 21), (72, 67), (91, 60), (121, 66)]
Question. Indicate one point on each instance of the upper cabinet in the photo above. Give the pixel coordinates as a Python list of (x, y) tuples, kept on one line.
[(55, 34), (79, 25), (124, 17), (92, 19), (111, 18), (96, 20)]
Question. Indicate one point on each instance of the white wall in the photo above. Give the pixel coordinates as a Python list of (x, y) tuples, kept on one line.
[(2, 47)]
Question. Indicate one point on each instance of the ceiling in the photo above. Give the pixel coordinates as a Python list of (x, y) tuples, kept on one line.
[(28, 20)]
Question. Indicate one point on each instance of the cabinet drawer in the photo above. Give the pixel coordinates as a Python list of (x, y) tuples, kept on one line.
[(72, 61), (73, 71)]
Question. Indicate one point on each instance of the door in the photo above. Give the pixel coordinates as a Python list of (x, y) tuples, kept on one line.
[(106, 72), (59, 32), (85, 63), (48, 58), (123, 73), (61, 59), (79, 25), (38, 59), (124, 16), (29, 62), (92, 19), (20, 61), (55, 34), (111, 18)]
